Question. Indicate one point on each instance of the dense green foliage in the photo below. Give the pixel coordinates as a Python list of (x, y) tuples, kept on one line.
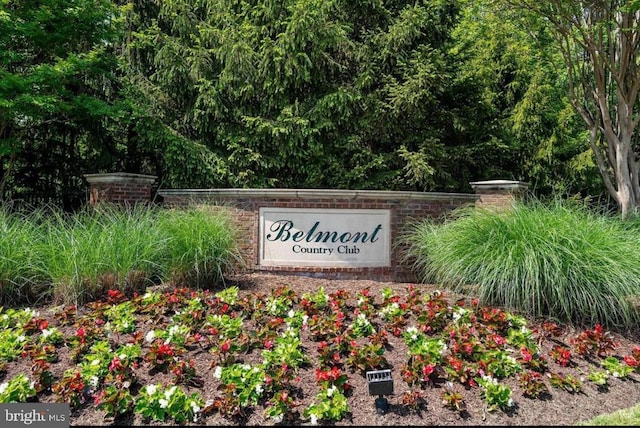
[(56, 91), (76, 258), (307, 93), (426, 95), (555, 259)]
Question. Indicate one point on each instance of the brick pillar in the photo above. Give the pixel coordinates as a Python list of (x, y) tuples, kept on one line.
[(498, 193), (120, 187)]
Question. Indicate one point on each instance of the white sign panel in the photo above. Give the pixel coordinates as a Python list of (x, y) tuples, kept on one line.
[(324, 237)]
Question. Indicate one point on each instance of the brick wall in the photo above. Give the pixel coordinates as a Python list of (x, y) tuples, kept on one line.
[(245, 204), (405, 207)]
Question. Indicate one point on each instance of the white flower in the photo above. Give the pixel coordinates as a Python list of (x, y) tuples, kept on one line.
[(331, 390), (21, 338), (314, 419), (194, 406), (458, 313), (3, 387), (360, 300), (489, 380), (151, 389), (217, 373), (259, 389), (173, 330), (94, 381), (163, 403), (305, 317), (277, 419), (47, 332), (150, 336), (95, 362), (444, 349), (169, 392), (122, 356), (291, 313)]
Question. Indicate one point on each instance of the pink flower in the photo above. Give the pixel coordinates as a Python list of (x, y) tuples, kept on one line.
[(116, 364), (526, 355)]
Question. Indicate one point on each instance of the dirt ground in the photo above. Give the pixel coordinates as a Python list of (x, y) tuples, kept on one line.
[(560, 407)]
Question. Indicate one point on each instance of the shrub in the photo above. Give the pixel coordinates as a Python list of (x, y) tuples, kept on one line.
[(557, 259), (20, 270), (78, 257), (201, 244), (109, 247)]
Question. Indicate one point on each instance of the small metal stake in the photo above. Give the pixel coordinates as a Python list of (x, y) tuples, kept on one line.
[(382, 405)]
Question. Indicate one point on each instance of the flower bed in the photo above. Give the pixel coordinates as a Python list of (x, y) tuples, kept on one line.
[(293, 356)]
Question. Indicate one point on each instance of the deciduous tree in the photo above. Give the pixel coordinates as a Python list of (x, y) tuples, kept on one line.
[(600, 44)]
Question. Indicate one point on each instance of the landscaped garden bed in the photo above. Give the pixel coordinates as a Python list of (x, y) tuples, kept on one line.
[(295, 350)]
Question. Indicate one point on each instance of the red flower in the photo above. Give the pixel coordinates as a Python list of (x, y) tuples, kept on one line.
[(226, 346), (427, 370), (631, 361), (321, 375), (335, 373), (43, 324)]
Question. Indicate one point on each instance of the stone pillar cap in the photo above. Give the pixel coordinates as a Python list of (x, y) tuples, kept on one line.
[(120, 177), (499, 185)]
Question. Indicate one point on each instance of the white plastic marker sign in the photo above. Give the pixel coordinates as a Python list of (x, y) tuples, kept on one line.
[(324, 237)]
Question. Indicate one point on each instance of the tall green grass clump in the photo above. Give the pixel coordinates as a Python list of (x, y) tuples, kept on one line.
[(556, 259), (93, 250), (202, 244), (20, 270)]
